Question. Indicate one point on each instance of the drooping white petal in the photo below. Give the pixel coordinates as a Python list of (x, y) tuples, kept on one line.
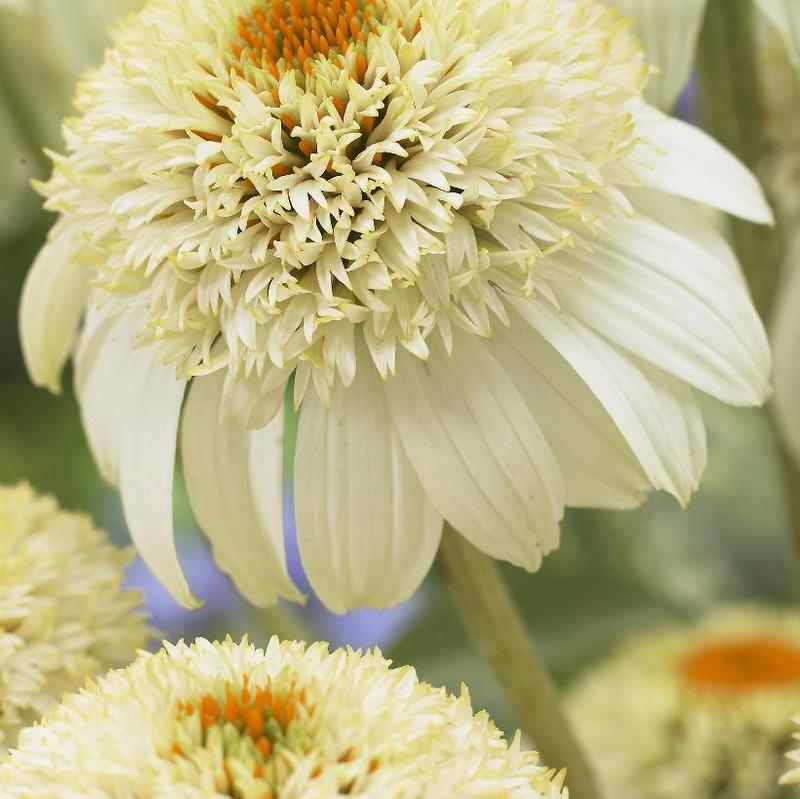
[(146, 474), (669, 32), (598, 466), (102, 382), (234, 479), (665, 298), (691, 220), (367, 531), (130, 407), (478, 450), (785, 16), (53, 300), (654, 412), (695, 166), (786, 346)]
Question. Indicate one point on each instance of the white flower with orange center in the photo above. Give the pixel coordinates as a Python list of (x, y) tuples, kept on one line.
[(218, 720), (64, 613), (452, 230), (701, 711)]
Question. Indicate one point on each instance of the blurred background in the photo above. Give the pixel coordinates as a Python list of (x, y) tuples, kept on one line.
[(616, 573)]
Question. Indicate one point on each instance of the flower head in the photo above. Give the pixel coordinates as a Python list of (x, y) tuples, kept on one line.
[(700, 711), (449, 225), (233, 720), (64, 615), (792, 777)]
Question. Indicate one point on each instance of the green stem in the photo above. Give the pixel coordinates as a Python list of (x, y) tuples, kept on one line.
[(498, 632), (791, 484), (734, 114)]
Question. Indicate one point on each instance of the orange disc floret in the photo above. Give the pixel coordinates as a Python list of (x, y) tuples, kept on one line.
[(249, 710), (209, 711), (742, 664), (255, 723), (287, 34)]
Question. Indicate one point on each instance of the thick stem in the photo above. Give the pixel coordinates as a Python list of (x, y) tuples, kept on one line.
[(498, 632), (734, 114), (791, 484)]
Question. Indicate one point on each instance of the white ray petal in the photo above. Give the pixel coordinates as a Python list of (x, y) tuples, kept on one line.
[(367, 531), (666, 299), (692, 221), (478, 451), (130, 408), (669, 32), (599, 468), (102, 382), (53, 299), (234, 478), (695, 166), (663, 429)]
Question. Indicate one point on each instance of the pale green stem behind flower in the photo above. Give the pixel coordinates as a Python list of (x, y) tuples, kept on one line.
[(499, 634)]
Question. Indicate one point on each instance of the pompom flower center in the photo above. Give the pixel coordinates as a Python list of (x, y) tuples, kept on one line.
[(330, 181), (742, 665), (244, 735), (290, 33)]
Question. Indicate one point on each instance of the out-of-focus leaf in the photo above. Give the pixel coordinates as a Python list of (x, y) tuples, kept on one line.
[(41, 441), (44, 46), (785, 16), (669, 30)]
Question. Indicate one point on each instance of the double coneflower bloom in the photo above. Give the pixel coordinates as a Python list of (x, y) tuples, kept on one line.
[(232, 720), (65, 613), (452, 231), (702, 710)]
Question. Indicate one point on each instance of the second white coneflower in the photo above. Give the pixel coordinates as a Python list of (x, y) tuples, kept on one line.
[(701, 711), (216, 720), (454, 225), (65, 614)]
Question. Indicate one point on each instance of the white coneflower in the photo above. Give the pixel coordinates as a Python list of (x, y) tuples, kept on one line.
[(701, 711), (233, 720), (792, 776), (64, 615), (455, 225)]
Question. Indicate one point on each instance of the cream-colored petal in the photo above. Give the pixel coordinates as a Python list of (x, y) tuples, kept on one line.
[(786, 346), (102, 382), (700, 224), (668, 30), (366, 529), (599, 468), (785, 16), (147, 470), (234, 479), (693, 165), (655, 413), (53, 299), (666, 299), (478, 451), (130, 407)]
